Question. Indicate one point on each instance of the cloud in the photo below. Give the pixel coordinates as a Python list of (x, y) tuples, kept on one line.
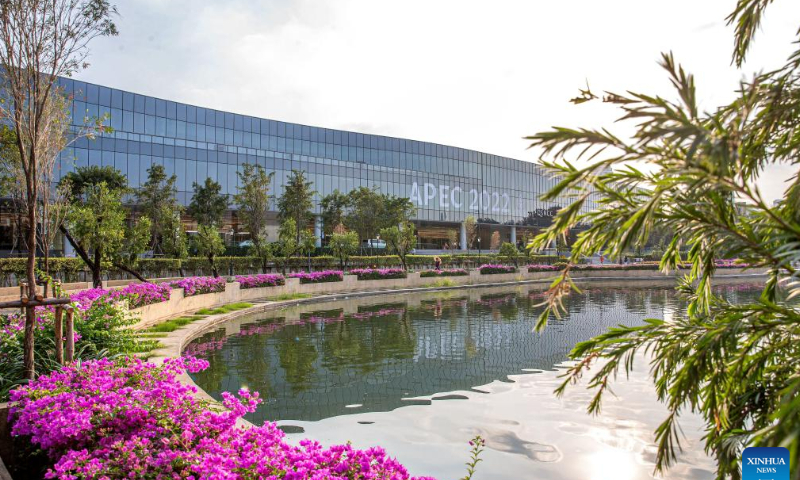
[(478, 75)]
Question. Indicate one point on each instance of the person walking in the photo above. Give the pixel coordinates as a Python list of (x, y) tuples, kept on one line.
[(437, 262)]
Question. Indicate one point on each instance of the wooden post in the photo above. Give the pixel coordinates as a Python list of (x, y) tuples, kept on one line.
[(70, 332), (27, 353), (23, 294), (59, 334)]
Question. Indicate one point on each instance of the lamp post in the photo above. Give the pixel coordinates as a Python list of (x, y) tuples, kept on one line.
[(479, 248)]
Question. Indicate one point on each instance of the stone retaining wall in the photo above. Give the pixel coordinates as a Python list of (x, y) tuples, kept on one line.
[(180, 305)]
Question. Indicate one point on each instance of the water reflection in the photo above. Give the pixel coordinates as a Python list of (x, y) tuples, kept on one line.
[(378, 354)]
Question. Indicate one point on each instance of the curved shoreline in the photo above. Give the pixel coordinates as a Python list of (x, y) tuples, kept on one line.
[(176, 341)]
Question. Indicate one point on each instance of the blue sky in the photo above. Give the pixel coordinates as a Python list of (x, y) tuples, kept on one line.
[(478, 75)]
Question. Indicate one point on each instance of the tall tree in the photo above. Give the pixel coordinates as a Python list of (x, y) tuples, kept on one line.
[(288, 246), (209, 244), (41, 40), (253, 200), (343, 245), (333, 208), (296, 201), (157, 199), (208, 203), (368, 211), (175, 243), (401, 240), (97, 225), (365, 213), (91, 176), (734, 364)]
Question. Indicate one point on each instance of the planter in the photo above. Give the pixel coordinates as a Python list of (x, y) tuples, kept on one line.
[(496, 269), (318, 277), (260, 281), (455, 272), (378, 273)]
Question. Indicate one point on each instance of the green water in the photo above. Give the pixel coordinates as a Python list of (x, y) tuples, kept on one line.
[(420, 375)]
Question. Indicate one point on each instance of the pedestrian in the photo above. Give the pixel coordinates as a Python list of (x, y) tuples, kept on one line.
[(437, 262), (602, 259)]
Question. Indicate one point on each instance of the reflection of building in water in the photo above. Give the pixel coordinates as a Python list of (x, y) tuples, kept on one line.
[(312, 364)]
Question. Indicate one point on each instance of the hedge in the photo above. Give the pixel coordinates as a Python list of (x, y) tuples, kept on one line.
[(456, 272), (378, 273), (70, 269), (496, 269)]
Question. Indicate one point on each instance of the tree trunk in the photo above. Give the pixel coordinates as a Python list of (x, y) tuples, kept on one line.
[(97, 280), (30, 270), (213, 266), (130, 271)]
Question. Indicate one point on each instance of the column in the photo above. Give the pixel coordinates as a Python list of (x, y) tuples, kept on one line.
[(318, 231), (514, 235), (463, 237), (69, 251)]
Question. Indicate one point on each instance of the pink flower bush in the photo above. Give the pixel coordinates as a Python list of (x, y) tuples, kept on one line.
[(85, 298), (262, 280), (543, 268), (132, 419), (318, 277), (378, 273), (495, 269), (199, 285), (451, 272), (136, 294)]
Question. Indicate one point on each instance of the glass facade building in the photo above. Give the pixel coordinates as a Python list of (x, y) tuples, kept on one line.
[(446, 183)]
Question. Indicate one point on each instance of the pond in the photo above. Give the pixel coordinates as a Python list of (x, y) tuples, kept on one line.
[(421, 374)]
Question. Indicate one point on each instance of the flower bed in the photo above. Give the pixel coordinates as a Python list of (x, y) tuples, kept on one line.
[(132, 419), (319, 277), (378, 273), (199, 285), (262, 280), (452, 272), (136, 294), (496, 269), (543, 268)]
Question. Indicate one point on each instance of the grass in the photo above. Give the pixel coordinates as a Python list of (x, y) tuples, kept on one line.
[(173, 324), (442, 282), (224, 309), (289, 296), (147, 346)]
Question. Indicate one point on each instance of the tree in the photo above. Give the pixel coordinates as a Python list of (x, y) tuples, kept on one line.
[(287, 245), (368, 211), (395, 210), (174, 242), (400, 240), (343, 245), (209, 244), (41, 41), (80, 184), (296, 201), (471, 227), (253, 201), (364, 212), (333, 208), (97, 227), (157, 200), (508, 252), (91, 176), (735, 364), (208, 203)]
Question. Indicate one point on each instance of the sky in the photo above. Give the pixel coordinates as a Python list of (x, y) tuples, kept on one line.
[(474, 74)]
